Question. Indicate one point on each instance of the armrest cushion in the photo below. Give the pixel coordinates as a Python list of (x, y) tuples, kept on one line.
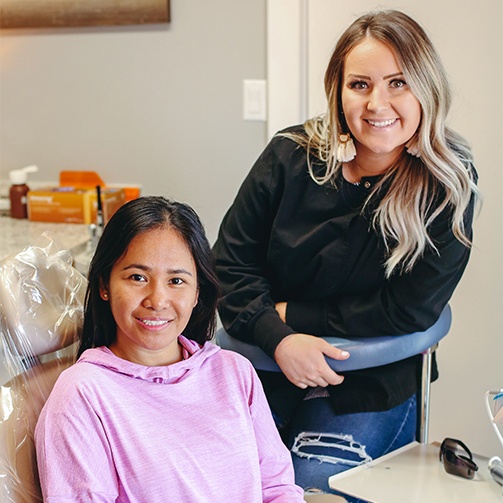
[(365, 352)]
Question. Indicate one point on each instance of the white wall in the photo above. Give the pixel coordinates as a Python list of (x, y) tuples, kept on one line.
[(157, 105), (469, 36)]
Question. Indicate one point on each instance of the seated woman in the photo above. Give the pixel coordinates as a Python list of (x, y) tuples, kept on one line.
[(147, 414)]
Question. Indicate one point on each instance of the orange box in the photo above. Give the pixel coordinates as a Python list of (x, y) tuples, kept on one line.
[(72, 205), (91, 179), (83, 179), (75, 200)]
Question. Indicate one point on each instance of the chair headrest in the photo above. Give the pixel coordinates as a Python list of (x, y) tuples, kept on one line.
[(41, 300)]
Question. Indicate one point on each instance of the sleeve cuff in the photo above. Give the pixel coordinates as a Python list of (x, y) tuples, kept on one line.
[(269, 331)]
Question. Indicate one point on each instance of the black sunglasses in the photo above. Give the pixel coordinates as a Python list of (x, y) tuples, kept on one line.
[(461, 465)]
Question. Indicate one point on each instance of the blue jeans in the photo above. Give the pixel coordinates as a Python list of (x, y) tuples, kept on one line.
[(323, 443)]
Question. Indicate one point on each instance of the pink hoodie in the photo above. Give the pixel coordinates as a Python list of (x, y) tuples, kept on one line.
[(197, 431)]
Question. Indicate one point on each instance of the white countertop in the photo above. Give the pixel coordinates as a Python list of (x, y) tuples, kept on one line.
[(414, 474), (17, 234)]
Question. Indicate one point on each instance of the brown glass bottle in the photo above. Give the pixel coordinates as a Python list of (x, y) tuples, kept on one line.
[(18, 201)]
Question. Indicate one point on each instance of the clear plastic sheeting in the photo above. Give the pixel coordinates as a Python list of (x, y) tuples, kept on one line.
[(41, 314), (494, 407)]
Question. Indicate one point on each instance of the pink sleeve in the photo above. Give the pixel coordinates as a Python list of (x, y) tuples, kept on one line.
[(276, 466), (74, 461)]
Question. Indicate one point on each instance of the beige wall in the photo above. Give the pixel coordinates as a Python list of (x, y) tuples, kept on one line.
[(162, 106), (469, 36), (158, 105)]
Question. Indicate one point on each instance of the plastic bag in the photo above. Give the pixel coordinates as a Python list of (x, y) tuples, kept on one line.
[(41, 316), (494, 407)]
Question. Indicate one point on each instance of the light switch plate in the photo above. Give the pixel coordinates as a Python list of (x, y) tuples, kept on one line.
[(254, 100)]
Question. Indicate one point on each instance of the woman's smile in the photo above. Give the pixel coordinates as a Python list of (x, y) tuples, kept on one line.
[(381, 123), (155, 324)]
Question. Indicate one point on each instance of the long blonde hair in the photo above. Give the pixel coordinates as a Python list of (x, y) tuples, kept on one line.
[(417, 189)]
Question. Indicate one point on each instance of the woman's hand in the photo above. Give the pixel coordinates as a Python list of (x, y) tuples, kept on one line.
[(301, 357)]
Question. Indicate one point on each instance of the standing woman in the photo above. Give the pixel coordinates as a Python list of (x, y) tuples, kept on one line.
[(356, 223)]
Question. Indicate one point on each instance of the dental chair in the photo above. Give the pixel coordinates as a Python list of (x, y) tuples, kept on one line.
[(41, 314), (367, 352)]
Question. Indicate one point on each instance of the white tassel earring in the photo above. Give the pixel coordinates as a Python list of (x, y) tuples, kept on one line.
[(412, 147), (346, 150)]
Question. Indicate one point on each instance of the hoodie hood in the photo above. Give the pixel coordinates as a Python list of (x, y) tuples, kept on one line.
[(194, 354)]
